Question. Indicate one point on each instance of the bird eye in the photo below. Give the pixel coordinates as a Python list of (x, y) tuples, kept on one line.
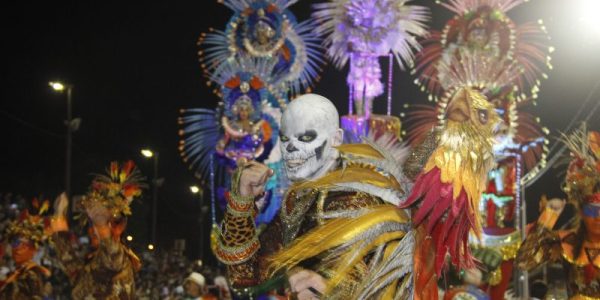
[(483, 116), (284, 138), (306, 138)]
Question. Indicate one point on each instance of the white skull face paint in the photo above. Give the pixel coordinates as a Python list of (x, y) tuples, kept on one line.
[(309, 131)]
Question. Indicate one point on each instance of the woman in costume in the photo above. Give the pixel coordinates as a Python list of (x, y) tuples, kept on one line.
[(107, 272), (266, 29), (578, 248), (26, 235), (243, 136), (245, 125)]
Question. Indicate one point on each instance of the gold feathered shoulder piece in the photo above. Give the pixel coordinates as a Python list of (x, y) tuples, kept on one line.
[(384, 155)]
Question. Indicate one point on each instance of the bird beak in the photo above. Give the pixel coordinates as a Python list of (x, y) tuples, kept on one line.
[(458, 109)]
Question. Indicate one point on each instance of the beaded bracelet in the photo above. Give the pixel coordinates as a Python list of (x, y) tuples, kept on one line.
[(237, 254)]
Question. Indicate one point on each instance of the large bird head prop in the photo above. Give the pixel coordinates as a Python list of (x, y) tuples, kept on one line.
[(469, 125), (449, 188), (465, 150)]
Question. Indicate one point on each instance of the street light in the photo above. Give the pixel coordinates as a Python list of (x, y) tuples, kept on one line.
[(72, 125), (129, 238), (155, 183), (150, 247), (147, 153), (199, 192), (194, 189), (57, 86)]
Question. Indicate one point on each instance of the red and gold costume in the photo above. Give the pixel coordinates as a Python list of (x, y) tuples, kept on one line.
[(449, 188), (578, 248), (108, 271), (26, 235), (505, 62)]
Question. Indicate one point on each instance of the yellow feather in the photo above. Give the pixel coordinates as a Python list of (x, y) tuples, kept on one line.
[(363, 150), (331, 234), (44, 208), (348, 175), (351, 258)]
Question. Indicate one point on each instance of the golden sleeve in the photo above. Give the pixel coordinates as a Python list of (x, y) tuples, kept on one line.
[(240, 247), (238, 243), (69, 260), (541, 245), (33, 284), (112, 257)]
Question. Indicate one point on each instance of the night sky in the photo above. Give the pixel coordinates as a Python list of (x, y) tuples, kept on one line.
[(133, 66)]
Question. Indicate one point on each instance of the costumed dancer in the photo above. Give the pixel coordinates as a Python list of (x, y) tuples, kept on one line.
[(26, 235), (266, 29), (107, 272), (578, 248), (245, 125), (343, 198), (263, 58), (341, 233)]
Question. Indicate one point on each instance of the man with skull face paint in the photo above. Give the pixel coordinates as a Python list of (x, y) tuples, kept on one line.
[(309, 132), (336, 193)]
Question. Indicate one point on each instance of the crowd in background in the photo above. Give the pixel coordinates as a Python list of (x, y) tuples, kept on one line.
[(167, 275)]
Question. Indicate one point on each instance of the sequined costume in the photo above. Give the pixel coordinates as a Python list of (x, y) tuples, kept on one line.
[(26, 235), (106, 273), (578, 248), (26, 282), (317, 218)]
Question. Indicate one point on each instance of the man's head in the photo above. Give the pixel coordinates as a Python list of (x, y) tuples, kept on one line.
[(23, 250), (310, 129), (194, 285)]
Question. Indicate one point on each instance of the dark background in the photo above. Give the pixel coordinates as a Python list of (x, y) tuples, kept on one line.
[(133, 65)]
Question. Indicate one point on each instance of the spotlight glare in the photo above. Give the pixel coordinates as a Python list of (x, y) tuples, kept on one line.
[(588, 16)]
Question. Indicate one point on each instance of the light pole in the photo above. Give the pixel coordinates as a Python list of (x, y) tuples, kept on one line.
[(71, 125), (155, 183), (196, 190)]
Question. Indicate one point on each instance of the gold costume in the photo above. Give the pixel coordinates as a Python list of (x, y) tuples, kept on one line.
[(26, 234), (106, 273), (580, 259), (579, 248), (344, 225), (25, 283)]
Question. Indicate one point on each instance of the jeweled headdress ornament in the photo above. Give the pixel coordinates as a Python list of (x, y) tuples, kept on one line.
[(31, 223), (117, 188), (582, 182)]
